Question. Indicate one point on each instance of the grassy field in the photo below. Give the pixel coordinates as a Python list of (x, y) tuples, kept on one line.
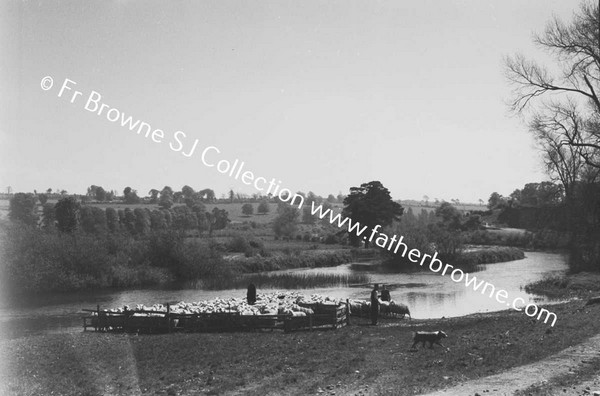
[(355, 359)]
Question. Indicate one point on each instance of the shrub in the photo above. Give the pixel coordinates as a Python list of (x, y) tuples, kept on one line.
[(22, 208), (238, 244), (247, 209), (331, 239)]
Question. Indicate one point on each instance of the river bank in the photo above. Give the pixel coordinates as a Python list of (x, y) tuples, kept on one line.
[(468, 260), (359, 357), (581, 284)]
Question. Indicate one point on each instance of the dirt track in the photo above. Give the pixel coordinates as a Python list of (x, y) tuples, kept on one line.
[(569, 361)]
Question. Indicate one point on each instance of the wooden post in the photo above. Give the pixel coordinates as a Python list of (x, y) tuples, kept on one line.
[(335, 318), (168, 317), (348, 312), (97, 317)]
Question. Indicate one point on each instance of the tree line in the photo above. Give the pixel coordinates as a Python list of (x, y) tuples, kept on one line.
[(69, 215)]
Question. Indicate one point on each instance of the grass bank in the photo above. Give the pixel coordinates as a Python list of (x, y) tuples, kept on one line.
[(582, 284), (353, 359), (290, 260), (535, 240), (468, 261), (488, 255)]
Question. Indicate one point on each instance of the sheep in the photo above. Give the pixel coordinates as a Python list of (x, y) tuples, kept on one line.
[(399, 309)]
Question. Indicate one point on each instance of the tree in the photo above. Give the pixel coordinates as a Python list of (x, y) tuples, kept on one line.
[(539, 194), (48, 216), (286, 222), (142, 221), (312, 197), (202, 220), (187, 191), (247, 209), (217, 219), (370, 205), (153, 195), (331, 198), (572, 89), (96, 192), (426, 199), (43, 199), (445, 233), (207, 195), (112, 220), (67, 214), (168, 217), (496, 200), (130, 196), (100, 194), (87, 219), (231, 195), (565, 163), (92, 220), (166, 198), (184, 218), (263, 207), (307, 217), (22, 208), (448, 243), (516, 197), (177, 197), (157, 220), (100, 225), (129, 221), (91, 191), (190, 197), (450, 216)]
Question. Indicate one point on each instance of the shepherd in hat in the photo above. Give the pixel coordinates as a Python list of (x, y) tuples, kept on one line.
[(374, 305)]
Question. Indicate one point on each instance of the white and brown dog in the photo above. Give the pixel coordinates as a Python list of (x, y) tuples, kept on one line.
[(433, 337)]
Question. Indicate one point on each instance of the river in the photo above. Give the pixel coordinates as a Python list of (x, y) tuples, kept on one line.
[(428, 295)]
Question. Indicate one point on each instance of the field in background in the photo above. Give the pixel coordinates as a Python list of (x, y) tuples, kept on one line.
[(235, 209)]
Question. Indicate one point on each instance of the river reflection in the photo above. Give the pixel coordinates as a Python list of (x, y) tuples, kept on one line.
[(428, 295)]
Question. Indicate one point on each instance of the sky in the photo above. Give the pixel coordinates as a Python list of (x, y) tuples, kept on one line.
[(318, 95)]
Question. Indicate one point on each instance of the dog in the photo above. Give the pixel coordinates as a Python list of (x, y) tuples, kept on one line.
[(433, 337)]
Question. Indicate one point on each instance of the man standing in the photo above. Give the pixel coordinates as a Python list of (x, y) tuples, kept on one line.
[(385, 294), (374, 305), (251, 294)]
